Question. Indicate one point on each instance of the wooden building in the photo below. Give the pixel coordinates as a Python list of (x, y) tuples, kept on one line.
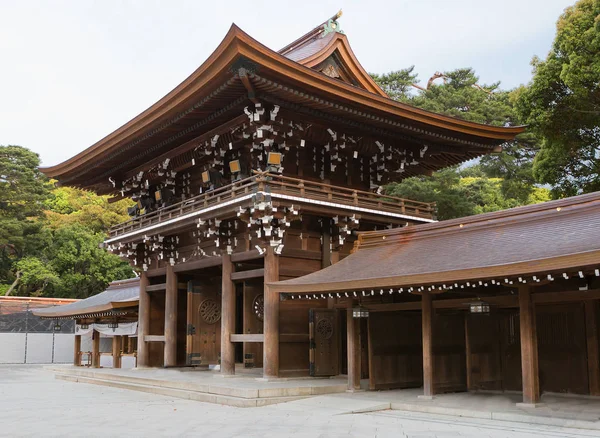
[(499, 301), (260, 166), (113, 312)]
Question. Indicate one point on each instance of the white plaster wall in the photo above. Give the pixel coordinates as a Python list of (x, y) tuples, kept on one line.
[(12, 347), (63, 348), (39, 348)]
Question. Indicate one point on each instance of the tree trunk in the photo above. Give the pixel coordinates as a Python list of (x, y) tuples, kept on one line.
[(14, 285)]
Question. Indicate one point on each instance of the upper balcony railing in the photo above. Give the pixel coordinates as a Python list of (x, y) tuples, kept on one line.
[(283, 185)]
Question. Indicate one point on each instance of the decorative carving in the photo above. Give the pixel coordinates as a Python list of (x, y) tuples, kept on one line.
[(259, 307), (325, 328), (331, 71), (210, 311)]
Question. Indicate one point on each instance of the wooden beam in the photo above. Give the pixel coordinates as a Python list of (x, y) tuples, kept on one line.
[(468, 358), (427, 328), (77, 350), (227, 317), (156, 287), (250, 337), (353, 350), (204, 263), (271, 322), (171, 318), (154, 338), (246, 256), (143, 321), (529, 350), (116, 351), (246, 275), (593, 355), (159, 272), (565, 297)]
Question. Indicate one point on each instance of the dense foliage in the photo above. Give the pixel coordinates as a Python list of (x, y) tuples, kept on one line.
[(49, 237), (562, 104)]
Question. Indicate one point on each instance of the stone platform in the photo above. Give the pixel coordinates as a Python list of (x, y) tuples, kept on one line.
[(242, 390)]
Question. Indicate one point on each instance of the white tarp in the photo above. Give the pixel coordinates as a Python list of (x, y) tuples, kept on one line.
[(129, 328)]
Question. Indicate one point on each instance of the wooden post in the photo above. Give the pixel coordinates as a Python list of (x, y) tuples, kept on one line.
[(271, 322), (143, 322), (468, 358), (227, 318), (427, 327), (77, 350), (171, 318), (591, 330), (95, 349), (529, 350), (353, 336), (116, 351)]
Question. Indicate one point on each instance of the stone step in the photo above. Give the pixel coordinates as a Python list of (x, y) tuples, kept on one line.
[(227, 387), (229, 400)]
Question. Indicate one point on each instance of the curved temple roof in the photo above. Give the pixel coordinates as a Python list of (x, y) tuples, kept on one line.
[(555, 235), (210, 94), (119, 295)]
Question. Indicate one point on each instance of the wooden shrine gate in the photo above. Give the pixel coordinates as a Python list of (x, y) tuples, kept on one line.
[(203, 346), (324, 336)]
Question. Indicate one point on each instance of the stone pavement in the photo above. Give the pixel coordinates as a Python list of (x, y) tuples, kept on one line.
[(33, 403)]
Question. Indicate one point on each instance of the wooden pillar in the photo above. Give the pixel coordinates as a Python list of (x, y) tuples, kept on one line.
[(95, 349), (116, 351), (427, 328), (143, 322), (529, 350), (77, 350), (227, 318), (353, 336), (468, 358), (271, 321), (591, 330), (171, 318)]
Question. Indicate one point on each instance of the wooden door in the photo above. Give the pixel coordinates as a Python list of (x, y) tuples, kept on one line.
[(324, 342), (562, 348), (484, 358), (449, 353), (204, 323), (253, 322)]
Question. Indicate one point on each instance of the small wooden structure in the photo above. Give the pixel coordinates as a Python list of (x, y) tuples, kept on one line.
[(107, 313), (499, 301), (261, 166)]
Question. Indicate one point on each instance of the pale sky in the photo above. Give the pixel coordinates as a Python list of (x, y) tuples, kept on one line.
[(71, 72)]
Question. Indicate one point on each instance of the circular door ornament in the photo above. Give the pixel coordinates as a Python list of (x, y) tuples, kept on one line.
[(210, 312), (325, 328), (259, 307)]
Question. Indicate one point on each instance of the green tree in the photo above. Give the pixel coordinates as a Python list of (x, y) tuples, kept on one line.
[(460, 193), (397, 84), (70, 205), (562, 103)]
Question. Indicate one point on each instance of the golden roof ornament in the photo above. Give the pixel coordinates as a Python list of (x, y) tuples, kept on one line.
[(332, 25)]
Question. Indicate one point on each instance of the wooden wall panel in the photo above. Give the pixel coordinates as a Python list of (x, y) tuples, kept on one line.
[(484, 354), (449, 360), (207, 337), (510, 350), (397, 357), (562, 348)]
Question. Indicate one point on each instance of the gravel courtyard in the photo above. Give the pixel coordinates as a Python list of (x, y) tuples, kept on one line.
[(33, 403)]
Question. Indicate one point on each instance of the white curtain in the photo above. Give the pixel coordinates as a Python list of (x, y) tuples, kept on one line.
[(129, 328)]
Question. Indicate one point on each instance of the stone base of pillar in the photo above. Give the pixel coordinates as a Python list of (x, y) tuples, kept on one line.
[(530, 405), (425, 397)]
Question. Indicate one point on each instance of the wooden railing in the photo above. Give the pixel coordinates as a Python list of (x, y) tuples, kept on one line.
[(277, 184)]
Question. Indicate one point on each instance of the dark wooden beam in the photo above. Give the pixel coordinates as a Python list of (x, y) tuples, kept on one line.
[(427, 328), (143, 321), (156, 287), (246, 256), (208, 262), (227, 317), (354, 359), (271, 322), (171, 296), (565, 297), (246, 275)]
